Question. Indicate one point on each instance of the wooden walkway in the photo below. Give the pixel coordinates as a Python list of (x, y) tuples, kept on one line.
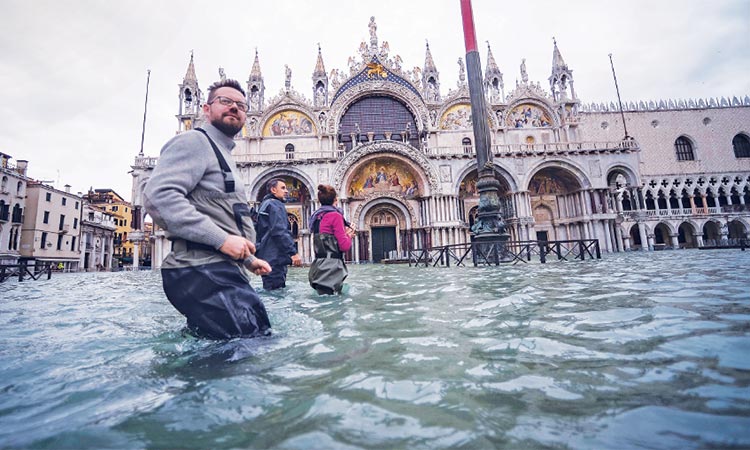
[(22, 270)]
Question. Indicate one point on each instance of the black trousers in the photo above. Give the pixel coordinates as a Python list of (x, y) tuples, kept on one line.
[(217, 301)]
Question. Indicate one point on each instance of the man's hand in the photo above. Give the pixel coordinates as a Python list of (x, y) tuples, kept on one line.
[(259, 267), (237, 247), (296, 260)]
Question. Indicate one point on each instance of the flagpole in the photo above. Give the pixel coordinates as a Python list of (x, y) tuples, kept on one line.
[(145, 107), (617, 88)]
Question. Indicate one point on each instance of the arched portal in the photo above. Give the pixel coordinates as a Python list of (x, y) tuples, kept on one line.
[(558, 208), (661, 235), (635, 238), (385, 229), (711, 233), (686, 236), (737, 231)]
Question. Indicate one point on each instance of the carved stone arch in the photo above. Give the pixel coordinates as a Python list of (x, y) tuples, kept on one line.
[(500, 169), (538, 102), (570, 166), (743, 220), (388, 198), (414, 103), (272, 172), (344, 168), (670, 226)]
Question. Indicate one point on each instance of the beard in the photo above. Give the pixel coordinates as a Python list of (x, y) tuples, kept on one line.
[(227, 128)]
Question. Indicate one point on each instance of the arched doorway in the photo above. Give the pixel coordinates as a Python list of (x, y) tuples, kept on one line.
[(635, 238), (737, 231), (383, 225), (711, 234), (556, 190), (686, 236), (661, 236)]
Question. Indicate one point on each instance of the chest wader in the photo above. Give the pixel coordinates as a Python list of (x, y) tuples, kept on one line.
[(269, 248), (328, 271), (212, 291)]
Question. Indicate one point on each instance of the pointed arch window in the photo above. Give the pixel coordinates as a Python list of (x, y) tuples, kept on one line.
[(684, 149), (741, 146), (289, 150)]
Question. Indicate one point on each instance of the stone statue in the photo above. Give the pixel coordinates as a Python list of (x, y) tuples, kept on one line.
[(524, 75), (222, 75), (288, 80), (461, 72), (373, 30)]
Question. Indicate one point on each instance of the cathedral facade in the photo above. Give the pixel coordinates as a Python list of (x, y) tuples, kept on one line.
[(399, 151)]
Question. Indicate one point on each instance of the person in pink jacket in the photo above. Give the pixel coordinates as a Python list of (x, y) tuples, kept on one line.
[(332, 237)]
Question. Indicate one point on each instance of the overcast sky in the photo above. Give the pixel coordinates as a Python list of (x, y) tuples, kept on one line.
[(73, 73)]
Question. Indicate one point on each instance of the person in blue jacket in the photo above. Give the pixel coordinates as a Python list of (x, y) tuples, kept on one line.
[(274, 241)]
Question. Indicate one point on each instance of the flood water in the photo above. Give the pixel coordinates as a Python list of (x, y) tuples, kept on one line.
[(633, 351)]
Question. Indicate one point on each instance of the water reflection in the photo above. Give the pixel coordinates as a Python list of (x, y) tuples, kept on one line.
[(631, 351)]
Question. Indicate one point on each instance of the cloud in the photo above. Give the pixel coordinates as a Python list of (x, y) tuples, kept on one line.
[(74, 73)]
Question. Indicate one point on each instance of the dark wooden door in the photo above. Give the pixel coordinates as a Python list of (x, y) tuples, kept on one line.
[(383, 241)]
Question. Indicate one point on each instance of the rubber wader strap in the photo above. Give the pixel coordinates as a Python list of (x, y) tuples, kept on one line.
[(225, 170)]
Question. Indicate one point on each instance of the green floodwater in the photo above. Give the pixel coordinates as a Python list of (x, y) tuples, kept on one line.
[(637, 350)]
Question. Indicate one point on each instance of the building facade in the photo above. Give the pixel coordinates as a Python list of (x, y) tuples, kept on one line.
[(13, 182), (399, 150), (98, 228), (122, 211), (52, 226)]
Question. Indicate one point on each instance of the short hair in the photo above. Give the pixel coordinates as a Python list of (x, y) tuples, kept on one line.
[(272, 183), (326, 194), (234, 84)]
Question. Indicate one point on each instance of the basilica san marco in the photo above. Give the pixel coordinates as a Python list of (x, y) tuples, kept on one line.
[(398, 149)]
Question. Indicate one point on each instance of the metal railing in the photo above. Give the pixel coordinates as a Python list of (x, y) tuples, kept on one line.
[(537, 149), (497, 252)]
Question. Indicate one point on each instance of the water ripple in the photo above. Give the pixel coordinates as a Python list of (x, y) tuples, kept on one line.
[(562, 355)]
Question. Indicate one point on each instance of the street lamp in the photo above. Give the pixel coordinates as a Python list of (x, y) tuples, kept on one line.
[(489, 227)]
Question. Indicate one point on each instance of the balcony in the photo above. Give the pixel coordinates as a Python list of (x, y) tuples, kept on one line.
[(555, 148)]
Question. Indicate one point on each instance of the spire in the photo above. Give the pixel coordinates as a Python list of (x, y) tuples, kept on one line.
[(320, 69), (430, 77), (429, 64), (493, 79), (320, 83), (190, 74), (191, 99), (561, 76), (255, 87), (491, 64), (255, 71), (557, 59)]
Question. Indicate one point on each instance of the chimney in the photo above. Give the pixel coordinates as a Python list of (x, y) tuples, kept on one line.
[(21, 166), (67, 188)]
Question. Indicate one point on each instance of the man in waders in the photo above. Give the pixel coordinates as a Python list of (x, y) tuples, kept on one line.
[(193, 196), (275, 242)]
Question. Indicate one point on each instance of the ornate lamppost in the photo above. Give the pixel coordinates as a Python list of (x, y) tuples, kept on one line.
[(489, 226)]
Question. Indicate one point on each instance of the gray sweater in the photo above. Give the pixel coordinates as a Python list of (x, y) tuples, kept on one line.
[(188, 163)]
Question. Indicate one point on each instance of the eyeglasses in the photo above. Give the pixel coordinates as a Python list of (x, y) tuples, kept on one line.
[(226, 101)]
